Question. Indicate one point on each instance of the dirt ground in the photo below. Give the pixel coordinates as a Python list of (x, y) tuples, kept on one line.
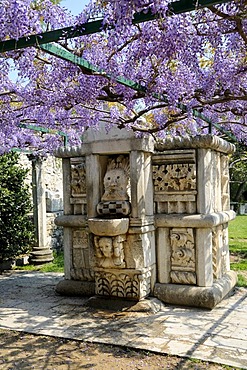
[(22, 351)]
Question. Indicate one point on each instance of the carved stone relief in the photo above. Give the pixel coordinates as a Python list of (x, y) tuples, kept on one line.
[(220, 251), (215, 254), (174, 177), (129, 284), (115, 200), (114, 208), (78, 179), (225, 183), (182, 256), (80, 238), (109, 251), (116, 179), (225, 263), (81, 269), (78, 185)]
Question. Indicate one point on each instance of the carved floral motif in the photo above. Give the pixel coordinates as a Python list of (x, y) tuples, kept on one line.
[(183, 251), (121, 284)]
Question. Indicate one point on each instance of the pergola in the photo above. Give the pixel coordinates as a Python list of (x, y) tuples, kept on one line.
[(46, 41)]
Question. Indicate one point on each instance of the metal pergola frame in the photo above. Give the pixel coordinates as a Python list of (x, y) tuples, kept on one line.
[(45, 41), (176, 7)]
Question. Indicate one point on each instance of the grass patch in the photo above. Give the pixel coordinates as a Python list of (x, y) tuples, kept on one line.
[(242, 280), (57, 265), (238, 248), (242, 265), (238, 228)]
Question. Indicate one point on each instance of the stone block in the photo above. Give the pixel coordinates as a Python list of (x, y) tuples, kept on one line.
[(206, 297), (75, 288)]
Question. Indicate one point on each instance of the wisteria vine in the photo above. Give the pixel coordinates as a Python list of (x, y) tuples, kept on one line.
[(184, 62)]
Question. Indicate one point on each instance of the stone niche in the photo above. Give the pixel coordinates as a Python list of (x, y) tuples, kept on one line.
[(147, 219)]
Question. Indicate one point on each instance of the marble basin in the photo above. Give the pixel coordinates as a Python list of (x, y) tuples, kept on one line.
[(108, 227)]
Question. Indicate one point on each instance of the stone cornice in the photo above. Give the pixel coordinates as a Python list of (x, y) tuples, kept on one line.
[(198, 220), (202, 142)]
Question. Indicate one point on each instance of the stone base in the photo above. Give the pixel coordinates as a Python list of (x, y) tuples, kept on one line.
[(148, 305), (39, 255), (194, 296), (76, 288)]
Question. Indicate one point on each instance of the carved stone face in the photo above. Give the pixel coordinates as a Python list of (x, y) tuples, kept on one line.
[(106, 247), (115, 184)]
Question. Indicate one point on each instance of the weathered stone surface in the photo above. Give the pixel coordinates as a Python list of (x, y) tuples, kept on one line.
[(75, 288), (111, 227), (30, 304), (161, 208), (71, 221), (200, 141), (206, 297)]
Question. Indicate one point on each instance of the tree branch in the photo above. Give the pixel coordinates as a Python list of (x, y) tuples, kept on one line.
[(236, 18)]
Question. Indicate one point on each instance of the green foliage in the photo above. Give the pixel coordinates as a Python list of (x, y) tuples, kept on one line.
[(238, 174), (16, 227), (242, 281)]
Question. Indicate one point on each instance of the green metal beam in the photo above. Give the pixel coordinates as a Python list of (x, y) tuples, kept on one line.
[(216, 125), (46, 131), (43, 41), (177, 7), (87, 66)]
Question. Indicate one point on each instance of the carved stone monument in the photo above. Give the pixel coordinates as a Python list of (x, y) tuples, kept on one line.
[(144, 218)]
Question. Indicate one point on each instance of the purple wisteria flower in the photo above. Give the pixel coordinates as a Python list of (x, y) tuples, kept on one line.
[(150, 77)]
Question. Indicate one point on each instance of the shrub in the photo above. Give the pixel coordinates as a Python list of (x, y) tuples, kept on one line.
[(16, 226)]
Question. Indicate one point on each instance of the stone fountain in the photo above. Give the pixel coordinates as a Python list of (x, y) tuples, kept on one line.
[(147, 219)]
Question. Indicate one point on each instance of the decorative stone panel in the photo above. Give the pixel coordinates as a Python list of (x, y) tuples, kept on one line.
[(220, 251), (174, 178), (183, 270), (131, 284), (114, 208), (116, 179), (109, 251), (78, 185), (81, 269), (225, 192)]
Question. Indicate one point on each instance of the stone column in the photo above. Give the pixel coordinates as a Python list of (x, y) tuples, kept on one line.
[(41, 252)]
